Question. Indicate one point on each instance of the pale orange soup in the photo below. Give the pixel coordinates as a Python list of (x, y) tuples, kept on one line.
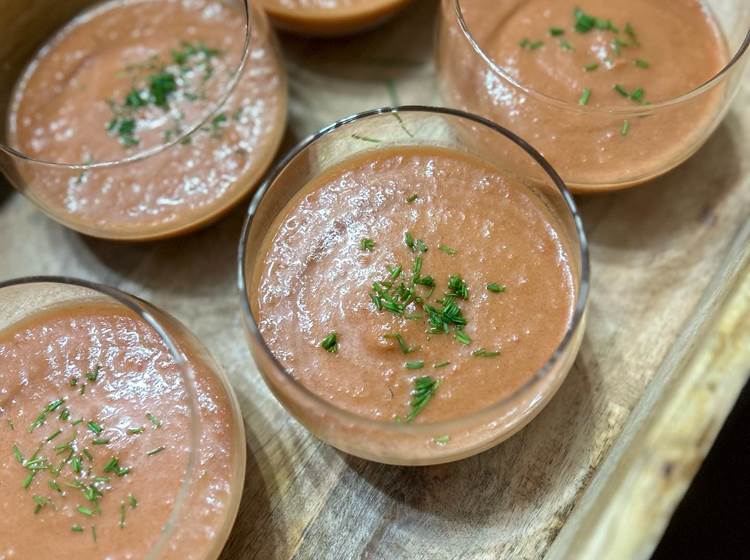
[(130, 75), (438, 273), (95, 438)]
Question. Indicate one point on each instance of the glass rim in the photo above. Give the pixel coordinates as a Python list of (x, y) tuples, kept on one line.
[(611, 110), (422, 428), (141, 308), (159, 148)]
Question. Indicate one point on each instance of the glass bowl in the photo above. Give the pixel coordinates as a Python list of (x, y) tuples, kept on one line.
[(388, 441), (668, 132), (174, 356), (193, 155), (323, 18)]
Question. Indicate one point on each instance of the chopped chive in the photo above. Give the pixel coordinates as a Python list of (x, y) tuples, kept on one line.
[(93, 375), (132, 501), (54, 435), (155, 451), (497, 288), (11, 425), (75, 464), (405, 348), (367, 244), (88, 512), (638, 94), (417, 364), (77, 529), (442, 440), (625, 128), (154, 420), (27, 481), (88, 455), (73, 381), (556, 31), (482, 353), (424, 389), (591, 67), (46, 411), (565, 45), (530, 45), (94, 427), (440, 365), (462, 337), (93, 533), (409, 240), (640, 63), (134, 431), (621, 90), (101, 441), (457, 287), (17, 454), (54, 485), (65, 414), (412, 198), (76, 422), (447, 250), (330, 343), (585, 96)]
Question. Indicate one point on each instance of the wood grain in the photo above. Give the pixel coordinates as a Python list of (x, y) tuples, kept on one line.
[(657, 252)]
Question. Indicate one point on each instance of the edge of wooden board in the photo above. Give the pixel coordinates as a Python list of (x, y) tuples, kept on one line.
[(627, 507)]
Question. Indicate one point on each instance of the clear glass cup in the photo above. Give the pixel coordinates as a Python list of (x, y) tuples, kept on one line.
[(387, 441), (325, 19), (239, 97), (23, 298), (470, 79)]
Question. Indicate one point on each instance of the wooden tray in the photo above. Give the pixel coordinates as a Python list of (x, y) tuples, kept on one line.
[(598, 473)]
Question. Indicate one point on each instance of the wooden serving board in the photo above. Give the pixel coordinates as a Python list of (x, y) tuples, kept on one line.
[(598, 473)]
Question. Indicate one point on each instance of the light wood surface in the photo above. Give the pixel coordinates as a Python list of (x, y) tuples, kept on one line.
[(668, 287)]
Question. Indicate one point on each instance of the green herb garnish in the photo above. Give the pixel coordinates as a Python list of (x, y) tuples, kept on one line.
[(621, 90), (556, 31), (440, 364), (640, 63), (442, 440), (330, 343), (94, 427), (424, 389), (457, 287), (482, 353), (93, 375), (88, 512), (405, 348), (585, 96), (447, 250), (412, 198), (154, 420), (155, 451), (416, 364), (591, 67), (463, 338), (497, 288), (132, 501), (77, 529), (367, 244), (135, 431), (625, 128), (46, 411)]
